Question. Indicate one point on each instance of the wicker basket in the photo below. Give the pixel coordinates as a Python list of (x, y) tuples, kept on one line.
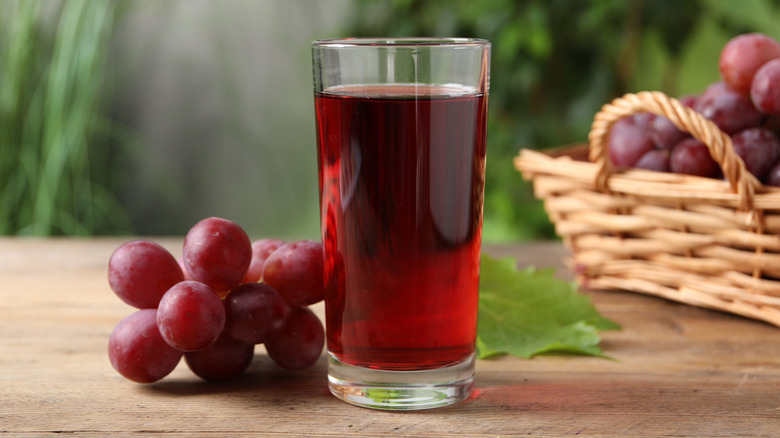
[(701, 241)]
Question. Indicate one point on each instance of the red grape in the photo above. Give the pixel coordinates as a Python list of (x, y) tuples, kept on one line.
[(190, 316), (299, 343), (226, 359), (627, 142), (665, 134), (217, 252), (758, 148), (689, 100), (255, 313), (261, 249), (140, 272), (742, 56), (772, 177), (656, 159), (765, 90), (643, 120), (711, 91), (295, 269), (692, 157), (137, 350), (729, 110)]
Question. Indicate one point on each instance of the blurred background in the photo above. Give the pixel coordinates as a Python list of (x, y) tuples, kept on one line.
[(142, 117)]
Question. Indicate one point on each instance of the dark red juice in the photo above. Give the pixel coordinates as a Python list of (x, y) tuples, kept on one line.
[(401, 183)]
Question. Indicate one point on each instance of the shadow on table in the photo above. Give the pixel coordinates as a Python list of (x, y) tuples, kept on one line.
[(262, 376)]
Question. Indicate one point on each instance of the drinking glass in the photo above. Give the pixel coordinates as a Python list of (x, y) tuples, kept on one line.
[(401, 153)]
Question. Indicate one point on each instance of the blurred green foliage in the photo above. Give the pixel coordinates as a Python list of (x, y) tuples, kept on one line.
[(556, 62), (56, 171)]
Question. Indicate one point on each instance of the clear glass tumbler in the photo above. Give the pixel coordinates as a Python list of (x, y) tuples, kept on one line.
[(401, 147)]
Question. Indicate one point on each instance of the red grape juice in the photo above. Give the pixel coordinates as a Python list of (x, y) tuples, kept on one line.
[(401, 191)]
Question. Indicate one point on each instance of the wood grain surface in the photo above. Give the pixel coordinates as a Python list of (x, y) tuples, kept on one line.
[(678, 370)]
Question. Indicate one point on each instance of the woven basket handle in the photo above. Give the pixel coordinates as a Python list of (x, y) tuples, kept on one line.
[(742, 182)]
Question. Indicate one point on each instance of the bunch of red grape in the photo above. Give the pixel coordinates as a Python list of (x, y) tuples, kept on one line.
[(745, 104), (224, 296)]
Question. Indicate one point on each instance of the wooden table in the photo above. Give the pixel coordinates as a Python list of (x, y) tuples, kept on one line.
[(680, 370)]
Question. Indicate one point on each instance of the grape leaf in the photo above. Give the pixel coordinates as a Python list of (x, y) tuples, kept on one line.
[(527, 312)]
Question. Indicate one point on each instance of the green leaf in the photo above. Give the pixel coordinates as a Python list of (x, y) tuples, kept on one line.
[(528, 312)]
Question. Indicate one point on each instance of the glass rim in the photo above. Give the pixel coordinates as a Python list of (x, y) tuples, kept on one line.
[(399, 42)]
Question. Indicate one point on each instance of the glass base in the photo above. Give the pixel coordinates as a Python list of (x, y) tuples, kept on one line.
[(400, 390)]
